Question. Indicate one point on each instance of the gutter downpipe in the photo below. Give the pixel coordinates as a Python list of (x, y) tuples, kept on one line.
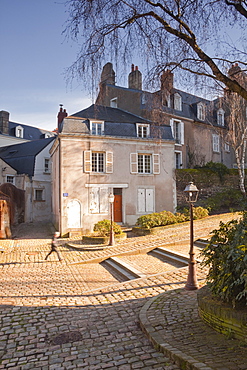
[(60, 187)]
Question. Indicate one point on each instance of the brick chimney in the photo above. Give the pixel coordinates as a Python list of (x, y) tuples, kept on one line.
[(108, 75), (61, 115), (166, 80), (234, 70), (135, 78), (4, 122)]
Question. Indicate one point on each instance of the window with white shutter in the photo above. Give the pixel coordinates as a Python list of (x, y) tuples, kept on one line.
[(156, 164), (109, 162), (177, 131), (133, 163), (216, 143), (98, 162), (98, 200), (87, 161), (145, 163), (145, 200)]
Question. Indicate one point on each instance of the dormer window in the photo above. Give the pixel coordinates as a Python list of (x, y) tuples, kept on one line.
[(201, 111), (177, 102), (97, 128), (113, 103), (19, 131), (142, 130), (220, 117)]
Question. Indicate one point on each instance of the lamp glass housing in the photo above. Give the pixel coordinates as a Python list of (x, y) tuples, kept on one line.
[(111, 198), (191, 193)]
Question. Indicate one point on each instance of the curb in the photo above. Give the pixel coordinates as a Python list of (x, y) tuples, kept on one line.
[(180, 358)]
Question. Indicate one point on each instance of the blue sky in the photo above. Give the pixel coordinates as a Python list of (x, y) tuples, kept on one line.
[(34, 56)]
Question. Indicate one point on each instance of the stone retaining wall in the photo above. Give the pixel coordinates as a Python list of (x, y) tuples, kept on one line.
[(222, 317)]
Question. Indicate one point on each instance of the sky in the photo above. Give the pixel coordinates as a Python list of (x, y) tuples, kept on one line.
[(34, 56)]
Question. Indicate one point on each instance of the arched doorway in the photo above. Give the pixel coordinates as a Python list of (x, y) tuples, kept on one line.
[(74, 214)]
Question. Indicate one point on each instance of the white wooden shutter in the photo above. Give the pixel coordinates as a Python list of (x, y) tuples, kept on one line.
[(172, 127), (104, 203), (149, 200), (109, 162), (182, 132), (87, 161), (94, 200), (156, 164), (141, 200), (133, 163)]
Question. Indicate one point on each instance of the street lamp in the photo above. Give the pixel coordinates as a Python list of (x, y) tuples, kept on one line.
[(111, 201), (191, 194)]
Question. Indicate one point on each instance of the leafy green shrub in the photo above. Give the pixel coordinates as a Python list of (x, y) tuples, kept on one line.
[(219, 168), (103, 228), (226, 256), (168, 218), (227, 200), (198, 213)]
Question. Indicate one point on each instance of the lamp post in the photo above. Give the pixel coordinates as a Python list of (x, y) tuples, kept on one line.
[(191, 194), (111, 201)]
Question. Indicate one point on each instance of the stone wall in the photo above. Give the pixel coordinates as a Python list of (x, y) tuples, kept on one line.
[(207, 182)]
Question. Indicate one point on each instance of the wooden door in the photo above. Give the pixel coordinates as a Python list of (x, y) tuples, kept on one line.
[(118, 208)]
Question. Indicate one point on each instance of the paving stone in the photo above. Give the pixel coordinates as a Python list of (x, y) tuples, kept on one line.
[(42, 299)]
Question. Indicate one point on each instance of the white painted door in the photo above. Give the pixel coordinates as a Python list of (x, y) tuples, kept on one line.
[(74, 214)]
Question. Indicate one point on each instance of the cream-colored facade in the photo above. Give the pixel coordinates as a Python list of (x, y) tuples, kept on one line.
[(80, 194)]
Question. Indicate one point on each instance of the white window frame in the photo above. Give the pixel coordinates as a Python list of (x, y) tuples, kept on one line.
[(94, 127), (173, 123), (108, 161), (216, 143), (8, 176), (39, 191), (145, 200), (154, 164), (180, 165), (19, 131), (140, 130), (201, 111), (113, 103), (47, 168), (220, 117), (177, 101), (227, 147)]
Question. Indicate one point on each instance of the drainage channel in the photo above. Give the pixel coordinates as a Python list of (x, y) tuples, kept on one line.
[(124, 271)]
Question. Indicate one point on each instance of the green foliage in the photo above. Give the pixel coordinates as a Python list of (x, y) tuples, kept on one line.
[(168, 218), (226, 256), (198, 213), (219, 168), (103, 228), (227, 200)]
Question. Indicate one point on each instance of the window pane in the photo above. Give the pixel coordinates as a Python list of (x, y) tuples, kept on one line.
[(140, 163), (147, 164), (97, 162), (38, 194), (144, 163), (10, 179)]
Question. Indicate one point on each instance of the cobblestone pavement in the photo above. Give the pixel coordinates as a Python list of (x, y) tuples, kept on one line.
[(75, 315)]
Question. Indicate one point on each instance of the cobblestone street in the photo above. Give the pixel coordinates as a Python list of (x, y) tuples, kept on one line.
[(74, 314)]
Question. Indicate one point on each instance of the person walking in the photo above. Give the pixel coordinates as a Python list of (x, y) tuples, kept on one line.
[(54, 245)]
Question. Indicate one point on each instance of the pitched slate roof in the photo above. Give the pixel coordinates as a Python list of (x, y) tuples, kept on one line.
[(117, 122), (108, 114), (29, 132), (22, 156)]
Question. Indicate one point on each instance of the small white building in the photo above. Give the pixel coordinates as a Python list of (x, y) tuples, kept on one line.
[(103, 150)]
